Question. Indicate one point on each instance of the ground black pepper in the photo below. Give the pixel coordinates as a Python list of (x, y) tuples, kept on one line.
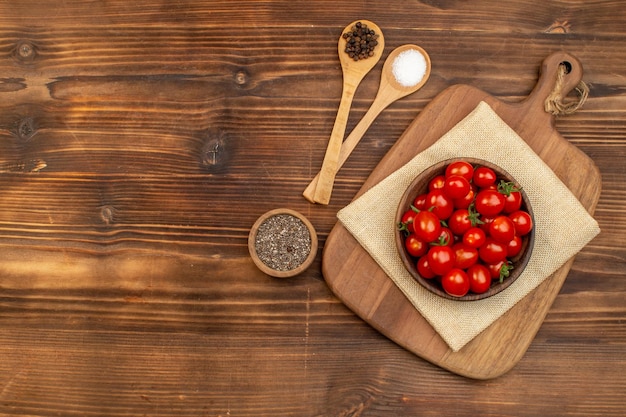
[(283, 242), (360, 41)]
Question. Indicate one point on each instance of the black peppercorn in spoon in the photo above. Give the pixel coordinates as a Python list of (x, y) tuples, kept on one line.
[(354, 70)]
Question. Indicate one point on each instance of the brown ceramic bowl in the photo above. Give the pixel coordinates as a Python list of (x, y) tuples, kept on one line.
[(420, 186), (272, 265)]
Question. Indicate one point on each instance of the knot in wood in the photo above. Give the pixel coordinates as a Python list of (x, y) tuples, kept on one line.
[(25, 51), (106, 214), (210, 152), (559, 26), (241, 77), (26, 128), (215, 151)]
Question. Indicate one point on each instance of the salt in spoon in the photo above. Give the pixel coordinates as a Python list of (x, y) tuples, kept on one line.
[(389, 91), (353, 72)]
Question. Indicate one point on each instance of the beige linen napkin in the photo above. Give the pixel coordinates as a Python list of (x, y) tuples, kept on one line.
[(562, 225)]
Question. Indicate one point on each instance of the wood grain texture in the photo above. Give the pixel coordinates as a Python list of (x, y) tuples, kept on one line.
[(166, 128)]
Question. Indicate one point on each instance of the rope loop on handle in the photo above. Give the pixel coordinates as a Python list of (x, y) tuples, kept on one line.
[(554, 102)]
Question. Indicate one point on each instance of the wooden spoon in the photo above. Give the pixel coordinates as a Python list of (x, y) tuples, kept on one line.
[(389, 91), (353, 72)]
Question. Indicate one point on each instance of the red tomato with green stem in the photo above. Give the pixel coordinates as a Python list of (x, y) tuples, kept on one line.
[(408, 216), (406, 222), (499, 270), (512, 202), (455, 282), (512, 196), (446, 237)]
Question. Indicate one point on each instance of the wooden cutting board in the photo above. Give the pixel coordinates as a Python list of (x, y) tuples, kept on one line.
[(361, 284)]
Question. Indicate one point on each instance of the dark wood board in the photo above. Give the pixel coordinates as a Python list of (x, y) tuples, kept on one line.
[(360, 283)]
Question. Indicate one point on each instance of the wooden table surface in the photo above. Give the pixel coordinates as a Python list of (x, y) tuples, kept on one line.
[(139, 142)]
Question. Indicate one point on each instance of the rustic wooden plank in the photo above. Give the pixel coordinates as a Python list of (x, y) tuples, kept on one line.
[(556, 17), (125, 286)]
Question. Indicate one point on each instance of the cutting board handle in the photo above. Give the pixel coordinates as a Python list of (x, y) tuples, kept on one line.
[(548, 80)]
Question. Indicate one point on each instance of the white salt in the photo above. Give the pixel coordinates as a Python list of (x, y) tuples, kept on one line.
[(409, 67)]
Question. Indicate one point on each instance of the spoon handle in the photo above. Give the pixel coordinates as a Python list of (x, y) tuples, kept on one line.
[(379, 104), (331, 159)]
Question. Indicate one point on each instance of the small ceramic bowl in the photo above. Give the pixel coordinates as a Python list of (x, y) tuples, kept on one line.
[(282, 243), (420, 186)]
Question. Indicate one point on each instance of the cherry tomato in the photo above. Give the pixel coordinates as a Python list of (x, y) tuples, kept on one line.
[(489, 202), (436, 183), (486, 223), (441, 259), (459, 222), (423, 268), (462, 168), (502, 229), (446, 237), (456, 186), (484, 177), (499, 270), (456, 282), (466, 201), (426, 226), (474, 237), (512, 202), (408, 216), (464, 256), (479, 278), (522, 221), (441, 205), (406, 222), (492, 252), (420, 202), (514, 247), (415, 246)]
